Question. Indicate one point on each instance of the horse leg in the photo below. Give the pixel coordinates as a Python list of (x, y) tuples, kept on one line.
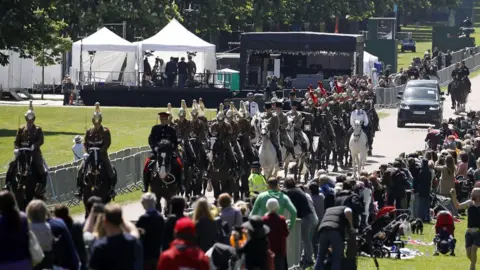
[(335, 160)]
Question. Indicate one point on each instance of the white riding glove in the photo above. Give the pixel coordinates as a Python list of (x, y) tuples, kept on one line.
[(32, 147)]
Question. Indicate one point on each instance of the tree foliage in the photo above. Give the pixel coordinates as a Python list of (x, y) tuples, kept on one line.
[(23, 23)]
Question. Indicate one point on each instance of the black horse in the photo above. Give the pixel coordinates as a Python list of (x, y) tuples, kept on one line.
[(219, 170), (250, 155), (459, 90), (95, 178), (195, 175), (340, 141), (321, 155), (25, 186), (166, 170)]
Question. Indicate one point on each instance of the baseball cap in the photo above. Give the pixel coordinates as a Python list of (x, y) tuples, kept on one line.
[(185, 226)]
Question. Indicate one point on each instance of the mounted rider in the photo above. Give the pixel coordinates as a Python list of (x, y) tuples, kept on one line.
[(245, 130), (463, 74), (283, 123), (29, 135), (252, 106), (183, 127), (297, 120), (223, 131), (198, 129), (97, 136), (160, 132), (230, 119), (273, 124), (361, 115)]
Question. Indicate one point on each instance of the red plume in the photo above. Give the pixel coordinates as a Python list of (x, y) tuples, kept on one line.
[(323, 92), (338, 88), (312, 95)]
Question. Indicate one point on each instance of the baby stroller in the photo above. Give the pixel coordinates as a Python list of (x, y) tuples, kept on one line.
[(439, 203), (384, 232), (444, 234)]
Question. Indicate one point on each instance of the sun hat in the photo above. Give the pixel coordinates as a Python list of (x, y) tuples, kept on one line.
[(78, 139)]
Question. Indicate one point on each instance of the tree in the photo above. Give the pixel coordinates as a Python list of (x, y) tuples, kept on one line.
[(21, 27), (53, 45)]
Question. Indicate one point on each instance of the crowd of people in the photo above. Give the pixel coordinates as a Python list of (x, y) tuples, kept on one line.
[(253, 234)]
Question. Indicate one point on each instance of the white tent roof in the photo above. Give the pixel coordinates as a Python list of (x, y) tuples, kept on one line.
[(369, 57), (227, 70), (176, 38), (105, 40)]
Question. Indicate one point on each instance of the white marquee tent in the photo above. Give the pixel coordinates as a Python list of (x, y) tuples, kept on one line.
[(368, 61), (106, 63), (174, 40)]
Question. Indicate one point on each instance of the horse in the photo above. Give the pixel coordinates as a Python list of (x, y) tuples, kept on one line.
[(266, 152), (323, 144), (459, 92), (95, 178), (197, 179), (358, 148), (25, 186), (219, 168), (165, 172), (250, 155), (301, 156), (340, 142)]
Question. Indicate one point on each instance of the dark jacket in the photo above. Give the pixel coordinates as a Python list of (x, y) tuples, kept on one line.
[(300, 201), (423, 183), (352, 200), (76, 230), (64, 252), (14, 243), (153, 224), (207, 234), (168, 232), (399, 184)]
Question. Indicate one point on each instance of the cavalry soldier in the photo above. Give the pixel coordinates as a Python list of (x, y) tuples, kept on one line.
[(464, 72), (223, 131), (98, 136), (283, 123), (274, 126), (252, 106), (297, 124), (198, 130), (235, 132), (245, 129), (31, 136), (163, 131), (413, 72), (456, 76), (183, 128), (360, 114)]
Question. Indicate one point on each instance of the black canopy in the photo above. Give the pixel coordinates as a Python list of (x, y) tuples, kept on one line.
[(299, 42)]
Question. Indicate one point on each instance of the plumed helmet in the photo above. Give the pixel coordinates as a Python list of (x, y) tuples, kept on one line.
[(344, 95), (221, 107), (181, 112), (241, 110), (229, 114), (202, 105), (220, 116), (169, 110), (195, 108), (233, 108), (30, 114), (194, 112), (97, 115)]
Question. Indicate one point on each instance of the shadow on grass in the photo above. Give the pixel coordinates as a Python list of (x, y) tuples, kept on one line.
[(13, 133)]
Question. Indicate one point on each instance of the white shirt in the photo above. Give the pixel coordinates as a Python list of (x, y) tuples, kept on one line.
[(77, 151), (252, 107), (359, 115)]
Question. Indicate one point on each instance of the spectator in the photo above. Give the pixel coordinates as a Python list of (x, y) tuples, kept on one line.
[(462, 167), (151, 226), (447, 179), (205, 225), (230, 215), (37, 214), (120, 249), (477, 170), (378, 192), (182, 72), (255, 249), (277, 237), (471, 157), (348, 198), (14, 231), (397, 193), (259, 207), (178, 207), (183, 252), (332, 229), (318, 200), (67, 90), (421, 187), (77, 148), (76, 230), (308, 217)]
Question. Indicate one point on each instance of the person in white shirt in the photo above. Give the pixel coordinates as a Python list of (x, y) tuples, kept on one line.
[(77, 148), (359, 114), (252, 106)]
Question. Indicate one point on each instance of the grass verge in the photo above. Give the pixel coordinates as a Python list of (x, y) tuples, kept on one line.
[(121, 199)]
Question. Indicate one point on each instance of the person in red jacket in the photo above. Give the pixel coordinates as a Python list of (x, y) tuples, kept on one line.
[(183, 253)]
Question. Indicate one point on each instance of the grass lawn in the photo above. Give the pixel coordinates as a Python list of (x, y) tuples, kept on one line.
[(427, 261), (423, 38), (129, 128)]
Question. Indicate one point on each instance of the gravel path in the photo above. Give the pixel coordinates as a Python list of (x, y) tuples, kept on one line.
[(388, 144)]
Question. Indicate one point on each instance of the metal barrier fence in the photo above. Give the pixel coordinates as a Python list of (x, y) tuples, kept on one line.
[(387, 96), (62, 181)]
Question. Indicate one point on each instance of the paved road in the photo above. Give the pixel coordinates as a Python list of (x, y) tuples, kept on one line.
[(388, 144)]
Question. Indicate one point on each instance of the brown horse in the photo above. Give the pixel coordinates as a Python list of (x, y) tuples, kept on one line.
[(165, 174)]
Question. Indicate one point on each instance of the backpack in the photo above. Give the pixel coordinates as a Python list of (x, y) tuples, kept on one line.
[(223, 231)]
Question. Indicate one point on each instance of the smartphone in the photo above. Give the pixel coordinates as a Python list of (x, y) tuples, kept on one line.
[(98, 208)]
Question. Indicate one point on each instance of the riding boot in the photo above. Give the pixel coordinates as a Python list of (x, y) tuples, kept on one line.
[(146, 178), (291, 150), (42, 185), (113, 183), (79, 193)]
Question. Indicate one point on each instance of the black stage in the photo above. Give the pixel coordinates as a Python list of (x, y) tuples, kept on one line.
[(118, 95)]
